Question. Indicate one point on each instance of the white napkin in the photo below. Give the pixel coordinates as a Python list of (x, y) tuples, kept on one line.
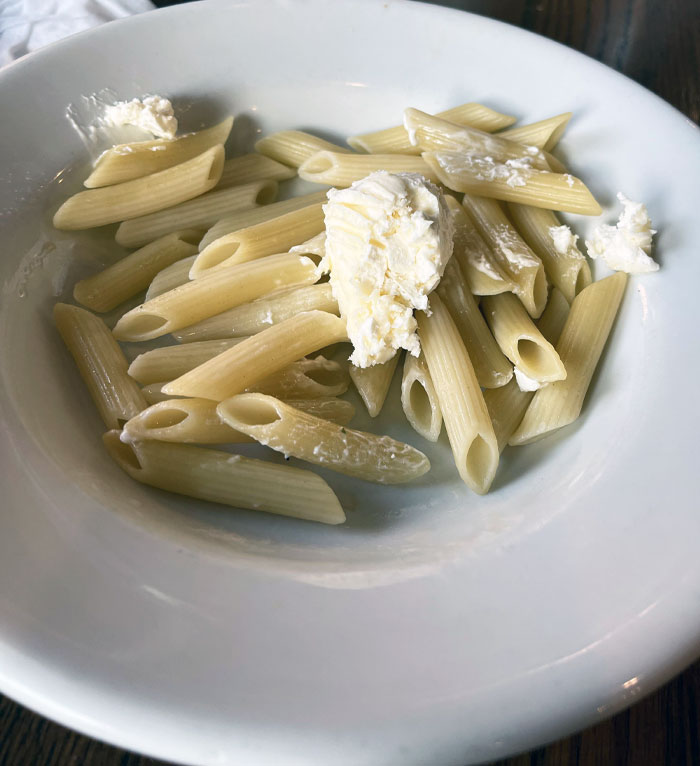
[(26, 25)]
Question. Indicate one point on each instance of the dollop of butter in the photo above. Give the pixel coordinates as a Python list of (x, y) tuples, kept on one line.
[(388, 240), (526, 383), (627, 245), (154, 115)]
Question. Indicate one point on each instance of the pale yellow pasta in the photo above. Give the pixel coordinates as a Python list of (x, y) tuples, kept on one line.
[(490, 365), (274, 236), (260, 356), (343, 169), (476, 260), (544, 134), (253, 167), (201, 212), (153, 393), (580, 346), (511, 254), (125, 162), (253, 317), (244, 219), (168, 362), (293, 147), (355, 453), (101, 364), (212, 294), (566, 268), (506, 406), (229, 479), (520, 340), (419, 398), (396, 140), (170, 277), (109, 204), (484, 177), (372, 383), (132, 274), (462, 404), (553, 318)]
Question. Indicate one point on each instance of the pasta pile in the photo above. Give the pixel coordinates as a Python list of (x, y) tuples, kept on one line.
[(232, 276)]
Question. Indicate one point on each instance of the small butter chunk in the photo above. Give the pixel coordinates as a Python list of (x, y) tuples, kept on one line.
[(154, 115), (388, 240), (627, 245), (526, 383)]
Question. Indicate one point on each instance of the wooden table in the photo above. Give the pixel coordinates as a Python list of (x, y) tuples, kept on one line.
[(657, 43)]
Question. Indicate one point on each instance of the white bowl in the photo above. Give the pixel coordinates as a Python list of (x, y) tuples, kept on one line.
[(436, 626)]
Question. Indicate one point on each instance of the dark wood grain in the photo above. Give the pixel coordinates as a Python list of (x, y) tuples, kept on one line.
[(656, 43)]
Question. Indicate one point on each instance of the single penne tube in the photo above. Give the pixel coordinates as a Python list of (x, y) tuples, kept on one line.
[(170, 277), (293, 147), (201, 212), (476, 260), (396, 140), (514, 258), (434, 134), (544, 134), (250, 318), (343, 169), (490, 364), (225, 478), (274, 236), (260, 356), (312, 378), (512, 181), (520, 340), (555, 245), (581, 343), (101, 364), (461, 402), (133, 273), (125, 162), (109, 204), (168, 362), (212, 294), (553, 318), (355, 453), (506, 406), (195, 421), (419, 398), (372, 383), (253, 167)]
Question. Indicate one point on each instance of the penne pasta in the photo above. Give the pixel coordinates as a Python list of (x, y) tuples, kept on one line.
[(201, 212), (274, 236), (553, 318), (490, 365), (153, 393), (225, 478), (212, 294), (168, 362), (512, 182), (253, 167), (544, 134), (250, 318), (170, 277), (260, 356), (339, 169), (246, 218), (506, 406), (133, 273), (564, 264), (461, 402), (419, 398), (355, 453), (511, 254), (101, 364), (125, 162), (372, 383), (580, 346), (396, 140), (293, 147), (520, 340), (109, 204)]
